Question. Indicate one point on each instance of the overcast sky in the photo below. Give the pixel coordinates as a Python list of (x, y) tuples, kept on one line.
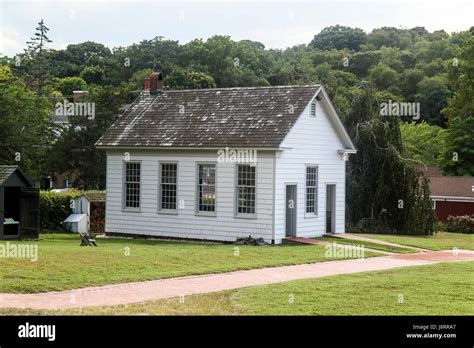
[(277, 24)]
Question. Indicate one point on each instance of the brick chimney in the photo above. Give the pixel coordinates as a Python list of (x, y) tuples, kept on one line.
[(146, 87), (156, 83)]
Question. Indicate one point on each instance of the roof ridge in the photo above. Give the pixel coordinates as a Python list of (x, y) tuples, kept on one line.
[(237, 88)]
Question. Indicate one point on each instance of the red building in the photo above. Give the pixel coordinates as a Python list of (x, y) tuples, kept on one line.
[(451, 195)]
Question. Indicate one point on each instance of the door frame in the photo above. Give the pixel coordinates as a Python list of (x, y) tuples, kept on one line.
[(333, 215), (295, 210)]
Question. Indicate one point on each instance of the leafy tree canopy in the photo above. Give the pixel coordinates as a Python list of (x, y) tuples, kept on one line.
[(93, 74), (422, 142), (458, 154), (339, 37), (24, 117), (67, 85), (185, 79)]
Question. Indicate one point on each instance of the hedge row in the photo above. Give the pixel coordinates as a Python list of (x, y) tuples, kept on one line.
[(460, 224), (55, 207)]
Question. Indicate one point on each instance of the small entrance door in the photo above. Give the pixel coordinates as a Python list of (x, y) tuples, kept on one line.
[(29, 216), (291, 210), (330, 208)]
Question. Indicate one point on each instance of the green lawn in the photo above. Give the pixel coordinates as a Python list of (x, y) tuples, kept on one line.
[(62, 264), (440, 289), (440, 241), (370, 245)]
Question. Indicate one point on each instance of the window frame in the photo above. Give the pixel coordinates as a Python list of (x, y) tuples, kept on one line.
[(316, 193), (160, 209), (124, 183), (196, 210), (236, 192)]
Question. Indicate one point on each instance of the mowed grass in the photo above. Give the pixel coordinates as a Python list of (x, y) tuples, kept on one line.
[(439, 289), (366, 244), (440, 241), (62, 264)]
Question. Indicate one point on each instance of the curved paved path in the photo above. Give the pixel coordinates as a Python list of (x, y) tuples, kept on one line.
[(378, 241), (167, 288), (302, 240)]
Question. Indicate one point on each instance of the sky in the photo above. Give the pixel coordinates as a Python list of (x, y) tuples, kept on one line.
[(276, 24)]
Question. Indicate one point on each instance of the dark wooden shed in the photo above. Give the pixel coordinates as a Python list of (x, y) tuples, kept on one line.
[(19, 205)]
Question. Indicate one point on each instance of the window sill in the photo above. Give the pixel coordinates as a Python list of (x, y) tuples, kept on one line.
[(205, 214), (131, 210), (246, 216), (310, 216), (168, 212)]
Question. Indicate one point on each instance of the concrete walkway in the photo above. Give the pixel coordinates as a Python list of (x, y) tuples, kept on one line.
[(175, 287), (300, 240), (372, 240)]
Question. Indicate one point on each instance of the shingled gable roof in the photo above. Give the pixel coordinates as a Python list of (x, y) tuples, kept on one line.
[(449, 187), (6, 171), (209, 118), (452, 186)]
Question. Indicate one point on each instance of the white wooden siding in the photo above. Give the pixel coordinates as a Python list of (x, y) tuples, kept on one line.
[(186, 224), (310, 141)]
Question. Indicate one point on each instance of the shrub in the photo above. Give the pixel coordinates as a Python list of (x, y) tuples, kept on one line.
[(55, 208), (440, 227), (460, 224)]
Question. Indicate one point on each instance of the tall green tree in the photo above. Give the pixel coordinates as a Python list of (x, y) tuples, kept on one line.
[(188, 79), (75, 151), (93, 74), (458, 154), (339, 37), (423, 142), (409, 79), (25, 133), (67, 85), (35, 58), (384, 77), (389, 37), (360, 62), (432, 94), (385, 192)]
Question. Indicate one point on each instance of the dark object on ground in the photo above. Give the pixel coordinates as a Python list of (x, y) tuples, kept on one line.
[(251, 241), (87, 239)]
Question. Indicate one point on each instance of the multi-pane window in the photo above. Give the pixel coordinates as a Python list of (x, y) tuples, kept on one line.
[(168, 185), (312, 189), (206, 187), (132, 185), (245, 189)]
